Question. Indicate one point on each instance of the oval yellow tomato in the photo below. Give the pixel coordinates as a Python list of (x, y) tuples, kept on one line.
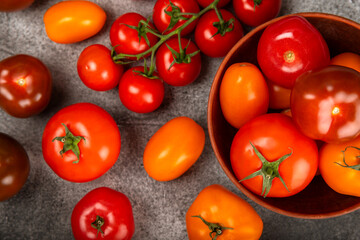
[(173, 149), (73, 21)]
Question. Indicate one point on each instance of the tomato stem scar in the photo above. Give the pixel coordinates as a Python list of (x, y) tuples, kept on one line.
[(97, 224), (289, 56), (215, 228)]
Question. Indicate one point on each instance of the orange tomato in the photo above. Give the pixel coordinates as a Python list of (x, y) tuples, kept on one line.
[(173, 149), (341, 170), (347, 59), (227, 215), (73, 21), (243, 94), (279, 97)]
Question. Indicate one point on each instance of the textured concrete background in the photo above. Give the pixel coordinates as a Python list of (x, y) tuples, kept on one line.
[(43, 207)]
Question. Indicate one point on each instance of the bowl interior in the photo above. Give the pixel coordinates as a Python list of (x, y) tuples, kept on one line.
[(317, 200)]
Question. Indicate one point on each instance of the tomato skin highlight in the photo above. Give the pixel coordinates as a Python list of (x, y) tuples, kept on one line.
[(173, 149), (73, 21), (112, 206), (14, 5), (216, 204)]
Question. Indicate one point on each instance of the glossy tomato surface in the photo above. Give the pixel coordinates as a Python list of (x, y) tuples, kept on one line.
[(290, 47), (173, 149), (325, 104), (97, 140), (347, 59), (274, 136), (243, 94), (25, 86), (139, 93), (103, 213), (14, 166), (211, 43), (217, 205), (14, 5), (96, 68), (186, 67), (162, 19), (205, 3), (73, 21)]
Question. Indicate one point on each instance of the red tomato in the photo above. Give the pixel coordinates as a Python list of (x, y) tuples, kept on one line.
[(97, 70), (290, 47), (325, 104), (186, 66), (25, 86), (163, 21), (205, 3), (81, 142), (290, 159), (14, 5), (256, 12), (139, 93), (103, 213), (212, 41), (347, 59), (279, 97), (125, 39)]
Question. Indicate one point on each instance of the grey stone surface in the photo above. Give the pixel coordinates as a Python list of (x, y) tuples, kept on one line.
[(42, 209)]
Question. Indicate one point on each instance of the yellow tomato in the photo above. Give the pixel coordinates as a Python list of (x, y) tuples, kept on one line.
[(173, 149), (73, 21), (347, 59)]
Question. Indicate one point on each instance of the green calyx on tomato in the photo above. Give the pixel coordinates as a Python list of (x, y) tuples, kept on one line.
[(97, 224), (215, 228), (142, 28), (70, 143), (175, 15), (355, 167), (268, 171), (223, 26), (181, 56), (257, 3)]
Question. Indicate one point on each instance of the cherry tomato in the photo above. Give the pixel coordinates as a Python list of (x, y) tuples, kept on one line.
[(205, 3), (163, 21), (256, 12), (215, 42), (173, 149), (279, 97), (14, 5), (216, 208), (290, 47), (73, 21), (139, 93), (14, 166), (103, 213), (25, 86), (97, 70), (81, 142), (186, 66), (282, 160), (340, 166), (126, 40), (243, 94), (347, 59), (325, 104)]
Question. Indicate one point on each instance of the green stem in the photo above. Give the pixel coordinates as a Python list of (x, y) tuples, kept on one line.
[(221, 19), (215, 228), (345, 165), (97, 224)]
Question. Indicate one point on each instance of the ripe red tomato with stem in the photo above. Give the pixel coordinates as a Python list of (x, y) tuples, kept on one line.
[(256, 12), (216, 32), (103, 213), (14, 5), (25, 86), (81, 142), (205, 3), (266, 164), (289, 47), (140, 93), (97, 70), (178, 65), (168, 15)]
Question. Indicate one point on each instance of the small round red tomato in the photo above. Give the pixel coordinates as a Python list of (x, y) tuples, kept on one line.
[(256, 12), (325, 104), (347, 59), (166, 17), (103, 213), (97, 70), (14, 5), (340, 166), (25, 86), (14, 166), (290, 47), (126, 40), (173, 149), (214, 37), (73, 21), (175, 67), (205, 3), (272, 158), (243, 94), (139, 93), (81, 142), (279, 97)]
